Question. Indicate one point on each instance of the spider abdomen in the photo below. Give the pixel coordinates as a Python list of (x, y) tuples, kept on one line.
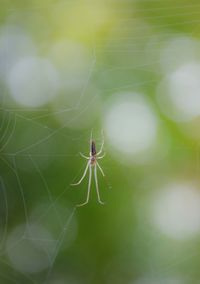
[(93, 148), (93, 160)]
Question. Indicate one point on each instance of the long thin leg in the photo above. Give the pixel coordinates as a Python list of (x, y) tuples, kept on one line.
[(82, 155), (100, 169), (84, 174), (97, 187), (101, 157), (89, 187), (102, 144), (91, 137)]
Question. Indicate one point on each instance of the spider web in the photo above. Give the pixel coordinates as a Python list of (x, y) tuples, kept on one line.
[(47, 149), (11, 117)]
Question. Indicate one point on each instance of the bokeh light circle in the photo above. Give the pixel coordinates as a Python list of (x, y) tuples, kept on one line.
[(33, 81), (74, 61), (178, 51), (15, 44), (178, 93), (130, 123), (29, 252), (176, 210)]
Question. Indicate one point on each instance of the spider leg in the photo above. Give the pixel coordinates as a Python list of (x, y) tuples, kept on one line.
[(84, 174), (89, 187), (82, 155), (97, 187), (102, 144), (100, 169), (101, 157), (91, 136)]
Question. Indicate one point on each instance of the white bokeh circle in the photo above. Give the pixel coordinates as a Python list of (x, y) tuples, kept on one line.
[(30, 254), (176, 210), (130, 123), (33, 81)]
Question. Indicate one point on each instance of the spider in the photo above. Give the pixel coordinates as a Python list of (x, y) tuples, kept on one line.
[(92, 164)]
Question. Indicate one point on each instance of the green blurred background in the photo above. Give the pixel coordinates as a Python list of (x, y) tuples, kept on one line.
[(127, 69)]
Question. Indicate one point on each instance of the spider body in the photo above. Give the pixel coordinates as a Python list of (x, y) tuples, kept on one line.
[(93, 149), (92, 165), (92, 160)]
